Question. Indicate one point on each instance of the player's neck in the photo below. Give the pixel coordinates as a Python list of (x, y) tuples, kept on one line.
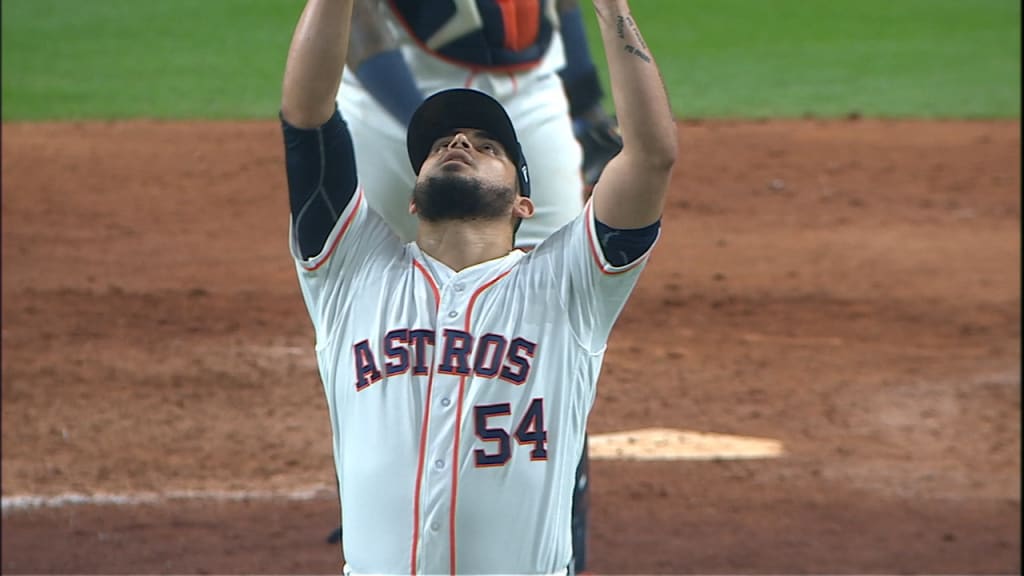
[(462, 244)]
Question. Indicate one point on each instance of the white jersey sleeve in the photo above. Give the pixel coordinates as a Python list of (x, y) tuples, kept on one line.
[(357, 249), (591, 289)]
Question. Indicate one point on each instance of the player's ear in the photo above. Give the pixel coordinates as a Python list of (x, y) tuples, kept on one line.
[(522, 207), (412, 206)]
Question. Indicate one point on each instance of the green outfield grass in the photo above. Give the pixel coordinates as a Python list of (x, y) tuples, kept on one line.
[(65, 59), (144, 58), (772, 58)]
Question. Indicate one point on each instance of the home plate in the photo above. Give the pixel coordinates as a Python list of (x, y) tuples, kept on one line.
[(669, 444)]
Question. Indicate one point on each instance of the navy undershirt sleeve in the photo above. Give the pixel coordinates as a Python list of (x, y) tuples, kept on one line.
[(321, 168), (622, 246)]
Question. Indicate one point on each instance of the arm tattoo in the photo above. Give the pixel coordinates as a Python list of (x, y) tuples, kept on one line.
[(638, 53), (621, 22), (636, 32)]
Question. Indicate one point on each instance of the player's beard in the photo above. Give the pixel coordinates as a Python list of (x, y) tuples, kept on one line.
[(457, 197)]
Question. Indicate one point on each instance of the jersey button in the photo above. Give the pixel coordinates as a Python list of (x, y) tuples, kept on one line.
[(438, 464), (453, 314), (435, 526), (458, 287), (445, 402)]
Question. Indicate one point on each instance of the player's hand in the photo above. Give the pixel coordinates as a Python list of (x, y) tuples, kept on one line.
[(598, 135)]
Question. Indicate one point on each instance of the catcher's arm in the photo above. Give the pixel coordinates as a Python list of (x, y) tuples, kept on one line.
[(595, 130), (631, 192), (377, 62), (600, 140)]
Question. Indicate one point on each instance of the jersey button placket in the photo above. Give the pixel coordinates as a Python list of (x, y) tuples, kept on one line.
[(454, 300), (437, 474)]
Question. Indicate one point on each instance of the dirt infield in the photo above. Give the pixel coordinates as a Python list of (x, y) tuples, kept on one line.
[(848, 288)]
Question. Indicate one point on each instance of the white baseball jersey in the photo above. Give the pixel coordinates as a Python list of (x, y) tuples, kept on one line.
[(458, 400), (534, 99)]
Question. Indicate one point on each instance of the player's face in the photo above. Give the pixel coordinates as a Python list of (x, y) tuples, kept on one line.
[(467, 175)]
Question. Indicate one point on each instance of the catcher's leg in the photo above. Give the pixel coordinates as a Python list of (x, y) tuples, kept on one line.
[(541, 117), (580, 507), (335, 536)]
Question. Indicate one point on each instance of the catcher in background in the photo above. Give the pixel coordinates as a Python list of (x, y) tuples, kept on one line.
[(533, 57)]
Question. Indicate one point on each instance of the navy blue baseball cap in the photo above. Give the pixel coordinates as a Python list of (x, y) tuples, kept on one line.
[(450, 110)]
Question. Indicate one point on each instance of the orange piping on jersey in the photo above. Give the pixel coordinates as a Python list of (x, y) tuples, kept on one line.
[(521, 67), (458, 426), (344, 227), (595, 249), (423, 434), (430, 280), (521, 20), (419, 475)]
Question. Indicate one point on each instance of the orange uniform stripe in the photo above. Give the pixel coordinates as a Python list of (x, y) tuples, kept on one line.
[(334, 244), (423, 434), (458, 426), (521, 19), (595, 248)]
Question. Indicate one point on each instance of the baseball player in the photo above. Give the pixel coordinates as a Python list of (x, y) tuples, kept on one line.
[(459, 371), (400, 51), (530, 55)]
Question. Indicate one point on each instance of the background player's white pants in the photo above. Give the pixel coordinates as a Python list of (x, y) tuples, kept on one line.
[(539, 110)]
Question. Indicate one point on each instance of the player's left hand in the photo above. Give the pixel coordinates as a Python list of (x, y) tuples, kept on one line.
[(598, 135)]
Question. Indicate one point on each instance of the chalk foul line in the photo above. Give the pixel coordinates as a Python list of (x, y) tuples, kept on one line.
[(659, 444), (21, 502)]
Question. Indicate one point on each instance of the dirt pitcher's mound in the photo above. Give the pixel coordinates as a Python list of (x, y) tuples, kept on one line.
[(848, 291)]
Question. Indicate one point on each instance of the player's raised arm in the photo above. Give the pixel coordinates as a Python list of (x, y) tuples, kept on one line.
[(319, 154), (315, 62), (631, 191)]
